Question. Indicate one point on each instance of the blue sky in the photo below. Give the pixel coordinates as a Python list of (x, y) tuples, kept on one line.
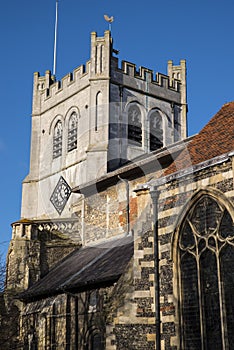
[(147, 33)]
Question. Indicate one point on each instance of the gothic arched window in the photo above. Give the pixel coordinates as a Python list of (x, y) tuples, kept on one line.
[(134, 125), (72, 132), (95, 340), (57, 139), (156, 131), (206, 277)]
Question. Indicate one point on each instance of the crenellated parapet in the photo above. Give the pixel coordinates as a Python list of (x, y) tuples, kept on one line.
[(46, 88), (102, 65), (48, 91), (148, 75), (48, 83)]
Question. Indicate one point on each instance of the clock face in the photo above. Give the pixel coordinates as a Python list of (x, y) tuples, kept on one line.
[(60, 195)]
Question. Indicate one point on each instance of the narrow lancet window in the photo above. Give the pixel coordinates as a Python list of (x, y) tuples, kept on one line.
[(57, 139), (72, 132), (98, 110)]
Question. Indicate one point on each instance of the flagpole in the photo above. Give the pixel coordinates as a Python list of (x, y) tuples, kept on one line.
[(55, 37)]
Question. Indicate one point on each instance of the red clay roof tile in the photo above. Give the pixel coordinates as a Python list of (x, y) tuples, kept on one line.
[(215, 139)]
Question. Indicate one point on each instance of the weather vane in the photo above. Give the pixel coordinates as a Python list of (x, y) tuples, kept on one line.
[(109, 20)]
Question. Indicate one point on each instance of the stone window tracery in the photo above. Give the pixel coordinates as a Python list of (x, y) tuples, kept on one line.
[(72, 132), (134, 125), (156, 131), (57, 139), (206, 277)]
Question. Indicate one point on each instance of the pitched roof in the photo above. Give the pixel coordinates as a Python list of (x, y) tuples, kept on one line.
[(86, 267), (215, 139)]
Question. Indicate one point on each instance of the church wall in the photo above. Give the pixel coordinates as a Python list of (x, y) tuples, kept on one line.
[(9, 321), (73, 165), (136, 314), (172, 198), (165, 93), (66, 321), (130, 306), (100, 94), (119, 146), (104, 215), (33, 251)]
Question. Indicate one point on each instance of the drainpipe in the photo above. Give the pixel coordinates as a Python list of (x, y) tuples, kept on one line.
[(127, 206), (154, 196), (120, 135), (83, 220)]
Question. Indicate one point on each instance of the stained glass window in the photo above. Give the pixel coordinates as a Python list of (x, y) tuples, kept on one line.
[(57, 140), (206, 260), (72, 132), (134, 125), (156, 131)]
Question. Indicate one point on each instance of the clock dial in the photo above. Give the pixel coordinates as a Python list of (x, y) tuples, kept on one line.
[(60, 195)]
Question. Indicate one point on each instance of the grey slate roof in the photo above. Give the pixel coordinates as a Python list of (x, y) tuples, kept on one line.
[(85, 268)]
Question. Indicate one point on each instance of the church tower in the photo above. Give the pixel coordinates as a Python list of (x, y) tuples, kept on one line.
[(89, 133), (126, 235), (95, 120)]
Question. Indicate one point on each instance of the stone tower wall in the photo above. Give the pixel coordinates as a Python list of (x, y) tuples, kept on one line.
[(100, 94), (55, 101)]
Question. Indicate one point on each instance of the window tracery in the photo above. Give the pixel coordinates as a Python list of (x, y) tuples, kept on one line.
[(72, 132), (134, 125), (206, 258), (57, 139), (156, 131)]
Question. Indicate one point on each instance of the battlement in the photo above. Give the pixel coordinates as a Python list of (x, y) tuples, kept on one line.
[(98, 67), (80, 77), (102, 65), (148, 75), (47, 85)]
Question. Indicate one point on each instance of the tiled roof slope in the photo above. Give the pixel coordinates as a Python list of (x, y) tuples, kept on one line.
[(215, 139), (88, 266)]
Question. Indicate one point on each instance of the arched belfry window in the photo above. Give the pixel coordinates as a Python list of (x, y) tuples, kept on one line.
[(72, 132), (206, 277), (57, 139), (156, 131), (134, 125)]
